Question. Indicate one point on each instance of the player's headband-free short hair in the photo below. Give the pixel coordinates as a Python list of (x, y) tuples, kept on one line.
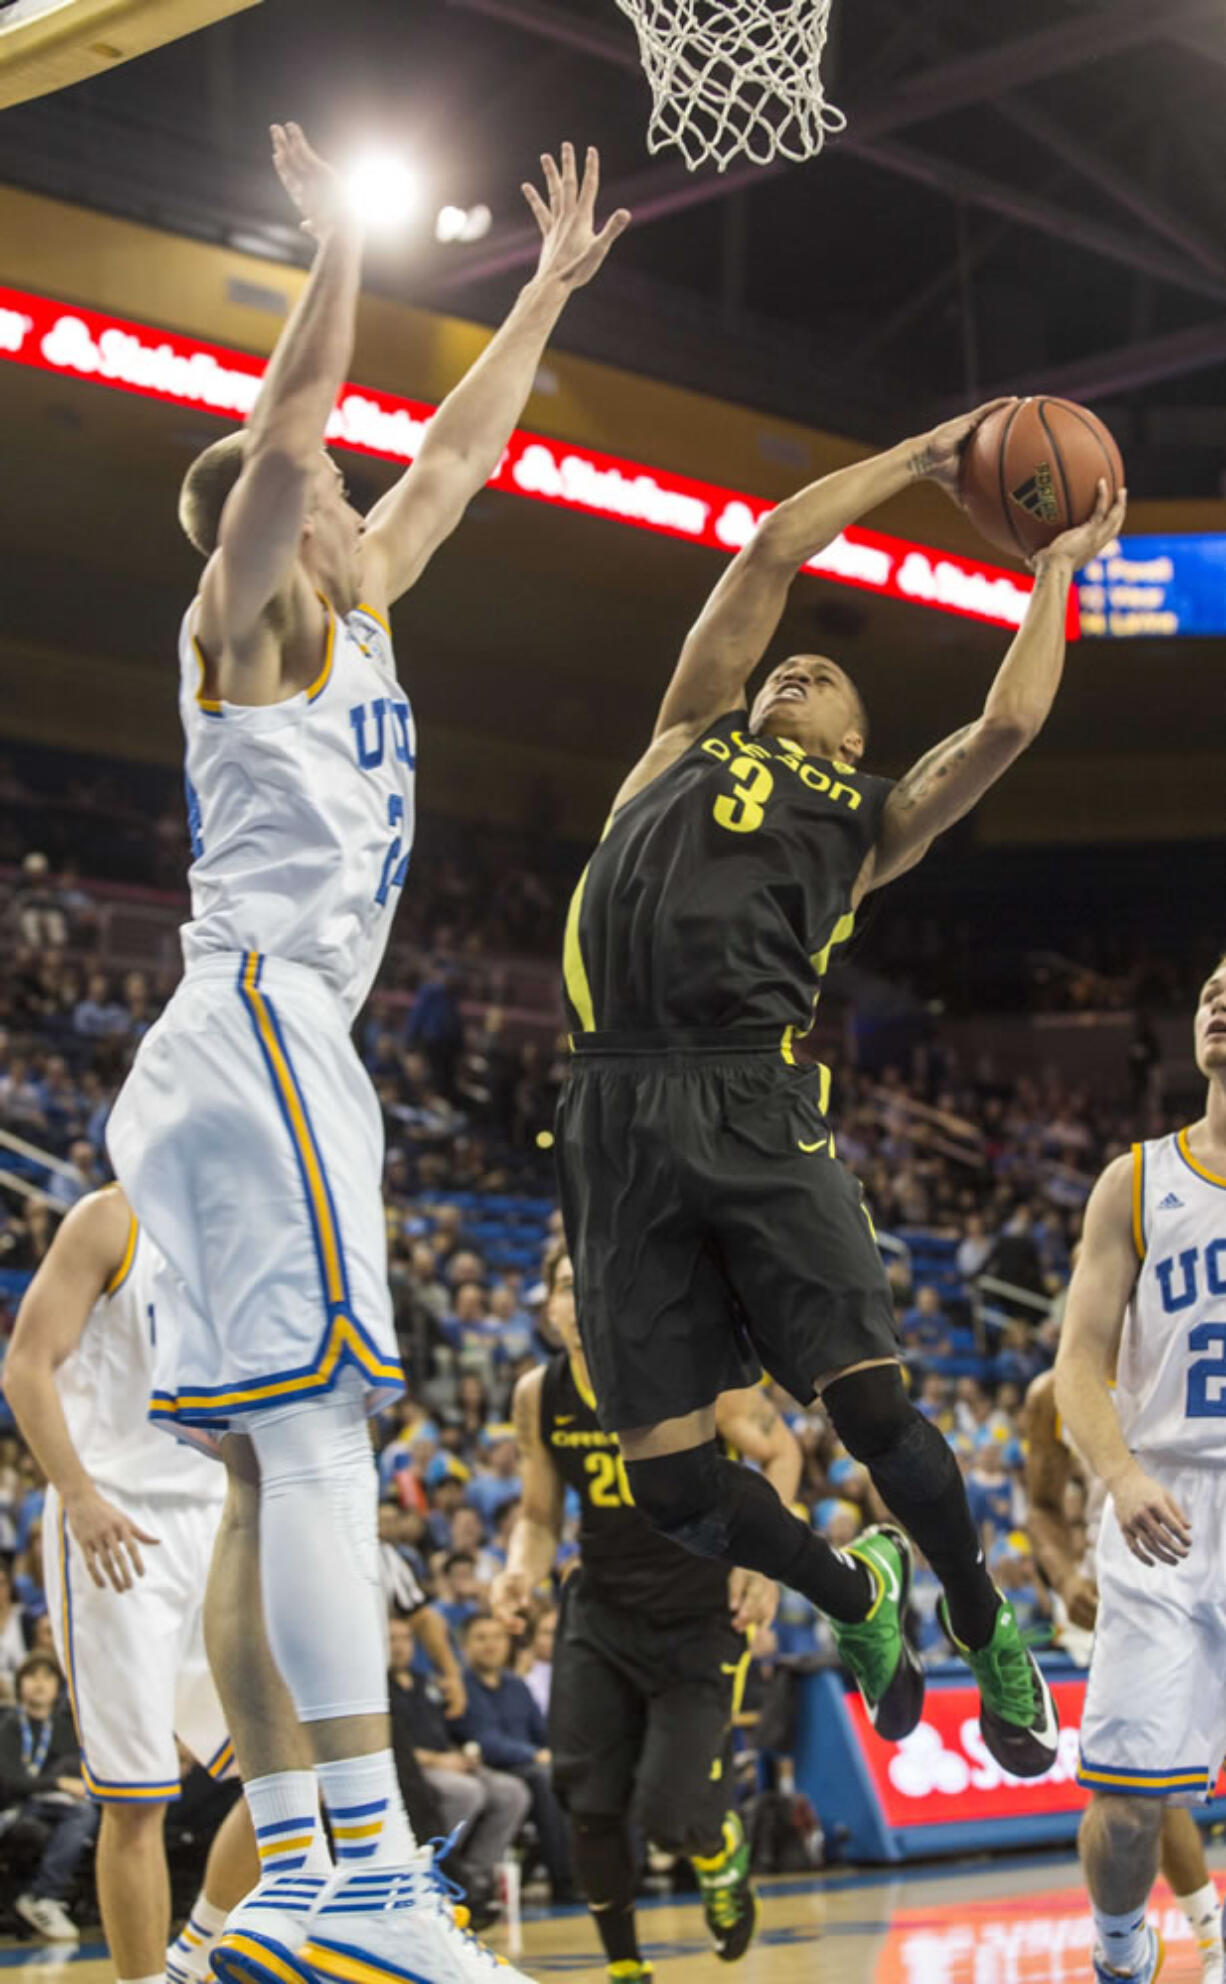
[(206, 486)]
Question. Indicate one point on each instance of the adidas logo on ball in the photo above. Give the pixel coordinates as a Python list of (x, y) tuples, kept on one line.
[(1037, 495)]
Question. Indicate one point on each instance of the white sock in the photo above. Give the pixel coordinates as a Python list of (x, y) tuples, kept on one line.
[(1203, 1910), (1121, 1938), (285, 1813), (370, 1827), (204, 1918)]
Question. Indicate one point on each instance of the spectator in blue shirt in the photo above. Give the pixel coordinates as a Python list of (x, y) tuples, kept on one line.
[(925, 1326), (503, 1718), (460, 1598), (989, 1489), (497, 1481)]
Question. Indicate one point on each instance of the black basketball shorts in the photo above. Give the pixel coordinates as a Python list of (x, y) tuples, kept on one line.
[(640, 1715), (712, 1229)]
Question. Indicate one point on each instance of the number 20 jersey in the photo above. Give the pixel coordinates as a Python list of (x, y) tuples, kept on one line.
[(1171, 1380), (716, 894), (301, 813)]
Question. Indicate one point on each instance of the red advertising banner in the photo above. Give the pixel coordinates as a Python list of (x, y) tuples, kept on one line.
[(130, 357), (944, 1775), (1021, 1938)]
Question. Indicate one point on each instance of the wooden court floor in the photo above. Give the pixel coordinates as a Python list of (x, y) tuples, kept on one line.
[(1021, 1921)]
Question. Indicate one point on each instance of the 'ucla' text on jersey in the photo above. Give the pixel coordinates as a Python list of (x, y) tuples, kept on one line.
[(1171, 1388), (302, 812)]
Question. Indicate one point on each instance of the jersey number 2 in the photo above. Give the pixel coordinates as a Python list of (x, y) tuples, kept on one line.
[(388, 880), (1207, 1377), (745, 811), (610, 1486)]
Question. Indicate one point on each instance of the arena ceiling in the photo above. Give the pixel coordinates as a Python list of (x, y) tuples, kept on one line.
[(1022, 196)]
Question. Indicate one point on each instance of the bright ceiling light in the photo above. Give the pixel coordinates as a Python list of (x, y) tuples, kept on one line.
[(382, 191), (462, 224)]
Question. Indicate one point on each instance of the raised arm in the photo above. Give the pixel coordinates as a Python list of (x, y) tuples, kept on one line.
[(1049, 1468), (261, 525), (950, 780), (538, 1526), (85, 1255), (735, 627), (465, 440), (1153, 1524)]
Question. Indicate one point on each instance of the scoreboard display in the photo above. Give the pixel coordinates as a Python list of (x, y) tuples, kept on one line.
[(1160, 587)]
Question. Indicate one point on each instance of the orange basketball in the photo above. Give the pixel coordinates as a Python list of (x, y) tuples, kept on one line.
[(1031, 470)]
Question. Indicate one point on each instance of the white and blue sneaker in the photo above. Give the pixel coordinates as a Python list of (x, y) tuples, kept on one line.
[(263, 1936), (1146, 1970), (397, 1927)]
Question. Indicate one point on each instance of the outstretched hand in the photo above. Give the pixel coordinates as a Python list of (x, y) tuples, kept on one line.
[(938, 454), (309, 180), (572, 250), (1078, 546)]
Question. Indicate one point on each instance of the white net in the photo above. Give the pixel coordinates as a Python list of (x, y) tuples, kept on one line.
[(733, 78)]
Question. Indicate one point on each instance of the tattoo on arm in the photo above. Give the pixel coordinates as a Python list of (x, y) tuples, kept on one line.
[(765, 1418), (934, 766)]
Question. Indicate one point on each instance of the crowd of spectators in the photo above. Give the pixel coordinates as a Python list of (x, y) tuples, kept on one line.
[(976, 1183)]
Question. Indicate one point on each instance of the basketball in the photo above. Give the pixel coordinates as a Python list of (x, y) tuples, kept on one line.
[(1032, 470)]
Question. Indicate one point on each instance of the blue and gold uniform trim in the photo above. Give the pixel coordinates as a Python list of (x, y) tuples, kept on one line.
[(124, 1269), (1194, 1164), (1138, 1199), (343, 1341), (221, 1763), (212, 706), (1141, 1783)]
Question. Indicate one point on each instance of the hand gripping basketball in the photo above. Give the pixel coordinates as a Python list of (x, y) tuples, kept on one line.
[(937, 455)]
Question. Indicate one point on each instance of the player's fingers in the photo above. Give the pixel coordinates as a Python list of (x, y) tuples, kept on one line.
[(981, 413), (137, 1561), (93, 1566), (1135, 1545), (591, 181), (143, 1535), (540, 212), (1160, 1544), (553, 179), (570, 178)]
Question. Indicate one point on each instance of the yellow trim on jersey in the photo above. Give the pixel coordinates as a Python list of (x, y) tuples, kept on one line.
[(1138, 1199), (209, 704), (329, 1239), (321, 680), (786, 1047), (129, 1794), (823, 1093), (124, 1269), (376, 617), (222, 1761), (585, 1391), (341, 1336), (843, 929), (574, 971), (1201, 1170)]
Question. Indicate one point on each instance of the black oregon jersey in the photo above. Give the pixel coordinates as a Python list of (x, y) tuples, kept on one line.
[(718, 891), (625, 1561)]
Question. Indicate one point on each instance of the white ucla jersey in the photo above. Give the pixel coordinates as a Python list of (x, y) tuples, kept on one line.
[(1171, 1381), (105, 1386), (301, 813)]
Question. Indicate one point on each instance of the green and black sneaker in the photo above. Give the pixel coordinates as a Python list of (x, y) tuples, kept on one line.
[(1016, 1712), (885, 1666), (728, 1900)]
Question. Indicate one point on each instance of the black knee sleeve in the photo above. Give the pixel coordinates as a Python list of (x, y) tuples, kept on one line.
[(604, 1862), (681, 1496), (878, 1425)]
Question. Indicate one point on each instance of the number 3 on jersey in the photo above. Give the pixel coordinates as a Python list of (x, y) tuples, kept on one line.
[(1207, 1376), (744, 811), (393, 859)]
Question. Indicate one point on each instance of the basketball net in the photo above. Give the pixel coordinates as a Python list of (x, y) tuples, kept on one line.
[(735, 77)]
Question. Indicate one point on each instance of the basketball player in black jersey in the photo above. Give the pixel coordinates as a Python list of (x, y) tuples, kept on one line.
[(653, 1650), (710, 1224)]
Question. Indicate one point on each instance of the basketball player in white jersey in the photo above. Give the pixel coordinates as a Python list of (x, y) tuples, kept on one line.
[(1052, 1462), (248, 1136), (128, 1533), (1148, 1305)]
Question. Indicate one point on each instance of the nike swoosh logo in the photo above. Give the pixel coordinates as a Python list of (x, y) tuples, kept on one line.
[(1049, 1734), (566, 1419), (819, 1145), (893, 1589)]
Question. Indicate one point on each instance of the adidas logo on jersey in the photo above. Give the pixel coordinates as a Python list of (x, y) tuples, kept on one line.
[(1171, 1203)]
